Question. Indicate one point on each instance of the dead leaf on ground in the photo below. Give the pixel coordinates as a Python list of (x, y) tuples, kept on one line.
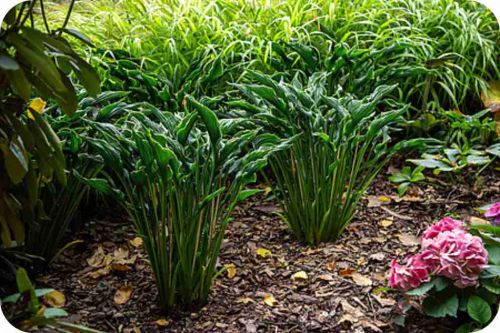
[(162, 322), (384, 301), (476, 220), (231, 270), (386, 222), (97, 259), (263, 252), (346, 272), (377, 201), (136, 242), (408, 239), (245, 300), (379, 256), (120, 253), (300, 276), (55, 299), (123, 294), (331, 265), (270, 300), (100, 272), (361, 280), (326, 277), (350, 313)]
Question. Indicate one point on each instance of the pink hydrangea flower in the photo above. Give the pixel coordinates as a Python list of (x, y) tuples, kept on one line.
[(445, 224), (494, 212), (409, 276), (457, 255)]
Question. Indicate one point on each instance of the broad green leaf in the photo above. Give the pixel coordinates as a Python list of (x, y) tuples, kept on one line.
[(441, 304), (8, 64), (209, 119), (245, 194), (79, 35), (478, 309), (422, 290), (494, 255), (54, 313)]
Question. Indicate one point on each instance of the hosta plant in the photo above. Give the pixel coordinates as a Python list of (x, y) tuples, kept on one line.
[(180, 184), (339, 146), (407, 177), (457, 272)]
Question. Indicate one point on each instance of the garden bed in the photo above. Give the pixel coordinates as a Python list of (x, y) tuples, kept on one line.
[(337, 293)]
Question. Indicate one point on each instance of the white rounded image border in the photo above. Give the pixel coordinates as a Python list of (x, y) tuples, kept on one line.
[(6, 5)]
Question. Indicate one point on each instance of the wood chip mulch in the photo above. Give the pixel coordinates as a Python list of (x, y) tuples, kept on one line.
[(336, 293)]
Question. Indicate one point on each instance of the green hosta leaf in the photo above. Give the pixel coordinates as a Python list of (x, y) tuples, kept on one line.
[(185, 127), (20, 85), (54, 313), (494, 150), (8, 64), (79, 35), (15, 160), (441, 304), (494, 230), (477, 159), (245, 194), (402, 188), (210, 120), (399, 178), (432, 164), (478, 309)]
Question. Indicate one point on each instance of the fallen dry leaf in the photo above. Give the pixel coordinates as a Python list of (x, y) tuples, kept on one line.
[(263, 252), (386, 222), (120, 254), (123, 294), (384, 301), (270, 300), (55, 299), (361, 280), (476, 220), (346, 272), (231, 270), (379, 256), (97, 259), (326, 277), (245, 300), (162, 322), (100, 272), (136, 242), (120, 267), (350, 313), (408, 239), (300, 276), (331, 265), (377, 201)]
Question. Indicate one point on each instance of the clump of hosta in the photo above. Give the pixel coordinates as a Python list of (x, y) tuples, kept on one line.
[(338, 146), (454, 271), (181, 177)]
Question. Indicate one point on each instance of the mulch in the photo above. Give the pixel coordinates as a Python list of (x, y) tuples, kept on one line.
[(339, 294)]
